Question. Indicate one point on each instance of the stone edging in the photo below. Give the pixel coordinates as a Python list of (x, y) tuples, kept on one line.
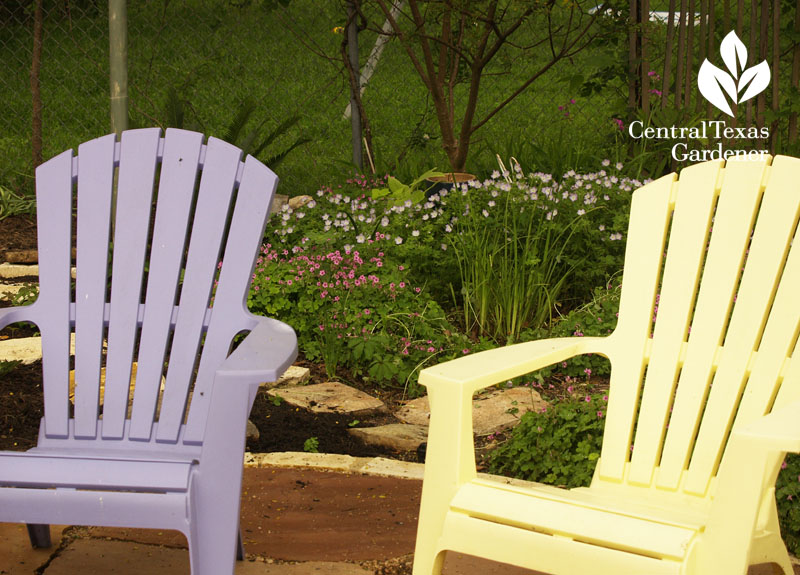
[(379, 466)]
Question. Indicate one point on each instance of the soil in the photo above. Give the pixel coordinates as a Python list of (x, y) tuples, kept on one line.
[(17, 233), (281, 426)]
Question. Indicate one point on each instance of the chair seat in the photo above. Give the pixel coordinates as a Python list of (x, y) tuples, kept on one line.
[(95, 470), (582, 515)]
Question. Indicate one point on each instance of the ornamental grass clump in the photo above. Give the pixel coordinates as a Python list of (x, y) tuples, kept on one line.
[(523, 243)]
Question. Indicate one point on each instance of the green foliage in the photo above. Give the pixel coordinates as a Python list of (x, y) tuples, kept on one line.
[(522, 243), (355, 308), (398, 193), (275, 400), (596, 318), (240, 131), (787, 495), (559, 445), (26, 295), (12, 204), (7, 367), (311, 445)]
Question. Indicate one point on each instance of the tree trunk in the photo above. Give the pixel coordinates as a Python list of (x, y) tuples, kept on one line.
[(795, 75), (644, 18), (711, 40), (351, 62), (665, 76), (752, 51), (689, 55), (633, 56), (776, 57), (702, 41), (761, 99), (375, 55), (36, 65), (681, 54)]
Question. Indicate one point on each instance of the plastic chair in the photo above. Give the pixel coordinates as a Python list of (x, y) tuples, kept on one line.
[(148, 454), (704, 400)]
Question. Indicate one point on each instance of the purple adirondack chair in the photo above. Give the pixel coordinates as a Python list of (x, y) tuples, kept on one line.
[(109, 460)]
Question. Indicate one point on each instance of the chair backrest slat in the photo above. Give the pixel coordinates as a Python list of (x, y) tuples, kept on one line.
[(54, 216), (213, 203), (650, 216), (229, 312), (137, 172), (179, 168), (694, 207), (777, 219), (95, 181), (780, 333), (738, 202)]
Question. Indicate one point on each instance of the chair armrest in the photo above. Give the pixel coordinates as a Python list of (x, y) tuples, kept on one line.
[(15, 314), (474, 372), (267, 351), (450, 459), (777, 431), (746, 476)]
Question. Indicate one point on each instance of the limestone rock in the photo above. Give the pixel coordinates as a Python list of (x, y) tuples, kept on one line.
[(278, 202), (330, 397), (295, 375), (495, 411), (252, 431), (397, 436), (299, 201)]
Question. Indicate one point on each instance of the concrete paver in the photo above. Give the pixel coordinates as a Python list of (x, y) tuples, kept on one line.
[(17, 557), (329, 521)]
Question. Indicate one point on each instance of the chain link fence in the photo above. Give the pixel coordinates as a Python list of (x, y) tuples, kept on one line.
[(196, 63)]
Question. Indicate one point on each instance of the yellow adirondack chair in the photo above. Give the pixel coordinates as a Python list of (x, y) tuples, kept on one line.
[(703, 406)]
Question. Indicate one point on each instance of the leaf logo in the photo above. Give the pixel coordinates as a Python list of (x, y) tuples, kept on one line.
[(715, 83)]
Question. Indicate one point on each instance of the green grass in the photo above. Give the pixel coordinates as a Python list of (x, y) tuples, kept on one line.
[(217, 56)]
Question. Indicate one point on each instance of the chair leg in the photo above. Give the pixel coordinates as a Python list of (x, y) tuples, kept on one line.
[(240, 546), (424, 564), (39, 535)]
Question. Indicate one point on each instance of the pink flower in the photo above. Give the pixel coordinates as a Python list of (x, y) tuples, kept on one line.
[(599, 414), (588, 398)]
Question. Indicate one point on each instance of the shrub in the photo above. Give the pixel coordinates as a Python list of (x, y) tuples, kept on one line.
[(354, 308), (559, 445), (787, 495)]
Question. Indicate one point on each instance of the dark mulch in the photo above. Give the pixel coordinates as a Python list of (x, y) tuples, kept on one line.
[(17, 233), (281, 426), (20, 407)]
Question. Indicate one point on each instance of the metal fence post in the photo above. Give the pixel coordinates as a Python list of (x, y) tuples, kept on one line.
[(118, 63)]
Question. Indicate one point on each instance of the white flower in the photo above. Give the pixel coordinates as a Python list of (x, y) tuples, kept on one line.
[(444, 247), (606, 162), (581, 212), (398, 240), (448, 228), (312, 204), (601, 227), (384, 221), (300, 215), (415, 233), (485, 213), (618, 165), (491, 203), (360, 238)]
